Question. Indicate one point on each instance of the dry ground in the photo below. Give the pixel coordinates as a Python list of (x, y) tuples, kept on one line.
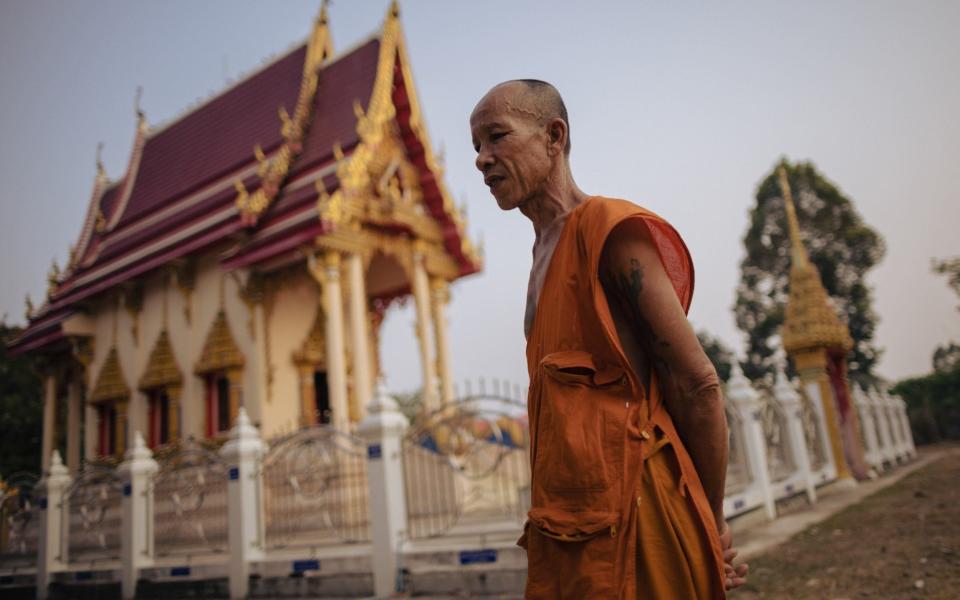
[(902, 542)]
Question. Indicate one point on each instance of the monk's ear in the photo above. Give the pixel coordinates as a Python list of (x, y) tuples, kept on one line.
[(557, 136)]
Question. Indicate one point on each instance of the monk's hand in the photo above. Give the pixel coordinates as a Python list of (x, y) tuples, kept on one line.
[(734, 576)]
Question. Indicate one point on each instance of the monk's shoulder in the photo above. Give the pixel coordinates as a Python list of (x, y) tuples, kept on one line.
[(600, 215)]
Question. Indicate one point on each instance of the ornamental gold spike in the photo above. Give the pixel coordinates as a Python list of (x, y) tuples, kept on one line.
[(799, 252)]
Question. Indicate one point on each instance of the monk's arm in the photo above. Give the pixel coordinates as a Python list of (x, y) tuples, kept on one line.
[(634, 278)]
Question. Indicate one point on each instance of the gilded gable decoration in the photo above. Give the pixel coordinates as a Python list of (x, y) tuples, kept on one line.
[(162, 369), (272, 172), (220, 351), (110, 382)]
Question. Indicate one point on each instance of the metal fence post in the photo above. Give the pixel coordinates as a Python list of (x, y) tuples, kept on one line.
[(136, 535), (242, 453), (54, 523), (383, 430), (746, 401)]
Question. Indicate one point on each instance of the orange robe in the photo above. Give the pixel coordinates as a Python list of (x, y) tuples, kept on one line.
[(617, 509)]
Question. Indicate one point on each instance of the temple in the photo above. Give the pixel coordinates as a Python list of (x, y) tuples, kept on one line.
[(247, 257), (818, 342)]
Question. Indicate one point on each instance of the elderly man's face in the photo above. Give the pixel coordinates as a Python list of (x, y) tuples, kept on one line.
[(511, 144)]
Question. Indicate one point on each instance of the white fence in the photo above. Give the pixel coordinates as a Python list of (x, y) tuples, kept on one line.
[(457, 478)]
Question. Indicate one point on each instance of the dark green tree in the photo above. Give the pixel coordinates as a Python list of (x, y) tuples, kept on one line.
[(951, 268), (840, 245), (719, 354), (21, 409)]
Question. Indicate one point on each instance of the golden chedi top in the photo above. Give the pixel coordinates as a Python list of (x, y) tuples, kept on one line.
[(810, 322)]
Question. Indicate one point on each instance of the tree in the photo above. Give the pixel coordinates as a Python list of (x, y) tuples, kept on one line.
[(933, 402), (718, 353), (21, 409), (951, 268), (841, 246)]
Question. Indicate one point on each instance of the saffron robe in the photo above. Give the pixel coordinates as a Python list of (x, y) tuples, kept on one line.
[(617, 508)]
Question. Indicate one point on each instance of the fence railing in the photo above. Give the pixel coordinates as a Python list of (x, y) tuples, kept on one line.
[(462, 470), (466, 467), (315, 489)]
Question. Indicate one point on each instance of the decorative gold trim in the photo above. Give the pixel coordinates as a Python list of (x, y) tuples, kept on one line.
[(220, 350), (111, 385), (162, 369), (378, 185), (293, 129)]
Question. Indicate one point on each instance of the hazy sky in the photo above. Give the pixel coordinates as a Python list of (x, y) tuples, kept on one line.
[(682, 108)]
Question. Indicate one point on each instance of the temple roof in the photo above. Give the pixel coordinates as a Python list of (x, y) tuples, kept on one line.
[(811, 321), (244, 170)]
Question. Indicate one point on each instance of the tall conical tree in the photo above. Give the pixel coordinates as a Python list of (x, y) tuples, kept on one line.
[(841, 246)]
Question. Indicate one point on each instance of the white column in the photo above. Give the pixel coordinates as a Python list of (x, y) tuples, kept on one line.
[(73, 426), (790, 400), (242, 453), (336, 351), (895, 434), (51, 490), (907, 430), (421, 295), (747, 402), (898, 419), (869, 427), (360, 335), (439, 297), (383, 430), (812, 387), (91, 430), (887, 452), (136, 541), (49, 420)]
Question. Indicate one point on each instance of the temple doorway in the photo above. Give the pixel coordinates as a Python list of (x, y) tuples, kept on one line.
[(321, 394)]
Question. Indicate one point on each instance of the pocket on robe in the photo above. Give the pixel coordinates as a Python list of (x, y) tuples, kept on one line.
[(574, 447), (571, 555)]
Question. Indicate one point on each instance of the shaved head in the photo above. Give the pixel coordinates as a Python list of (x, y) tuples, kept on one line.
[(540, 100)]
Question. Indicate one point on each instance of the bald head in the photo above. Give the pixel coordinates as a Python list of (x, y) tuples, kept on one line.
[(536, 99)]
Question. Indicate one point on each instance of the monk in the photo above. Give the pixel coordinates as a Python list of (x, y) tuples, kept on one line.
[(628, 434)]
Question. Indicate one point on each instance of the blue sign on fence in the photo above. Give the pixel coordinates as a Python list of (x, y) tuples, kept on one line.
[(127, 489), (234, 473), (472, 557), (84, 575), (180, 571), (374, 451), (299, 566), (43, 503)]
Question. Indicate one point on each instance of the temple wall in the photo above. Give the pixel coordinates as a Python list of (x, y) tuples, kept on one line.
[(295, 306), (275, 406)]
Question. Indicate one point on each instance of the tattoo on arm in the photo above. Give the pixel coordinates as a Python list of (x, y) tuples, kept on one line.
[(630, 286)]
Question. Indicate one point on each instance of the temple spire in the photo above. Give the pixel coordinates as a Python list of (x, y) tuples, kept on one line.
[(798, 252), (810, 321)]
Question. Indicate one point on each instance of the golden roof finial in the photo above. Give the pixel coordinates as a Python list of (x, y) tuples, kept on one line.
[(138, 109), (101, 172), (29, 307), (394, 11), (322, 18), (799, 253)]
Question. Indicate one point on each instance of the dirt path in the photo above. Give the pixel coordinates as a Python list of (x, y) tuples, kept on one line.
[(902, 542)]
